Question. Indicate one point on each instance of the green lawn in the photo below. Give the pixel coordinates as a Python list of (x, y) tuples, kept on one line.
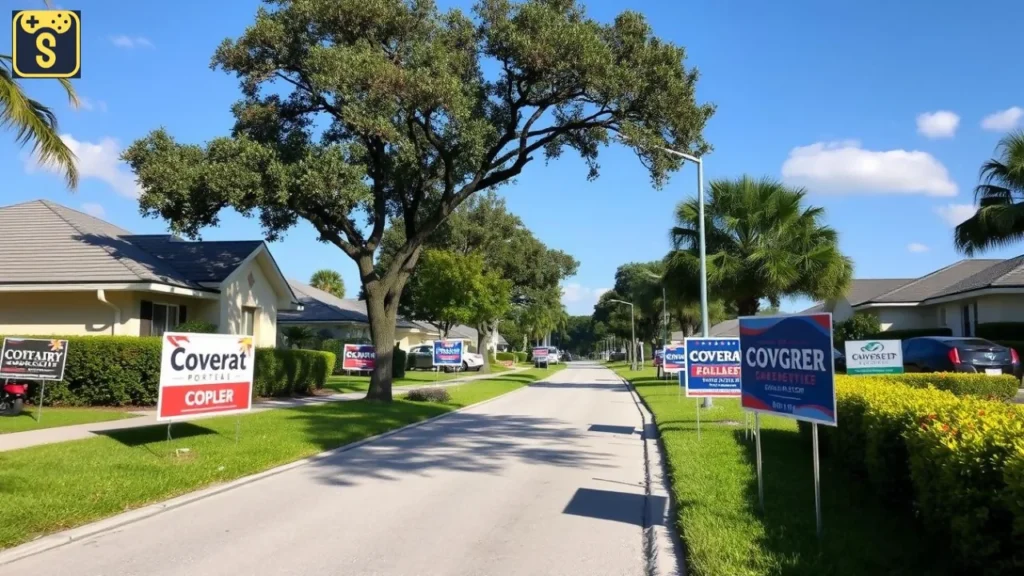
[(54, 417), (714, 482), (57, 486)]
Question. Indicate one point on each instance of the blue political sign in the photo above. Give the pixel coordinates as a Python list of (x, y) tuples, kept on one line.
[(712, 367), (787, 366), (674, 358), (448, 353)]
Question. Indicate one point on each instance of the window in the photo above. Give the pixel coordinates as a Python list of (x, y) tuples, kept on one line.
[(965, 313), (249, 321), (157, 319)]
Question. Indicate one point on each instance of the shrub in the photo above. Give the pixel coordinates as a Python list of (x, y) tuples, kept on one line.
[(398, 362), (505, 356), (522, 357), (197, 327), (904, 334), (1002, 388), (856, 327), (106, 371), (956, 460), (428, 395), (1001, 330), (282, 372)]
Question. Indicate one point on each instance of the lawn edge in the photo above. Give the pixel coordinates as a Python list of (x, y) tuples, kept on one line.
[(667, 537), (65, 537)]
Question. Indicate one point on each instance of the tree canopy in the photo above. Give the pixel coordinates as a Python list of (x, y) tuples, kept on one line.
[(329, 281), (356, 112), (999, 220), (763, 243)]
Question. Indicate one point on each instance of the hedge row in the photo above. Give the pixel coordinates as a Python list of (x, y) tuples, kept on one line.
[(1001, 388), (125, 371), (957, 460), (505, 356), (283, 372)]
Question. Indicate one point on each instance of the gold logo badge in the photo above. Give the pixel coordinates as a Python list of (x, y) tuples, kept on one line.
[(47, 43)]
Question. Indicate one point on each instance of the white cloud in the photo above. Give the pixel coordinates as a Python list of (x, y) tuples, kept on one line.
[(916, 247), (1004, 120), (579, 298), (129, 42), (838, 167), (101, 161), (954, 214), (93, 209), (941, 124), (89, 105)]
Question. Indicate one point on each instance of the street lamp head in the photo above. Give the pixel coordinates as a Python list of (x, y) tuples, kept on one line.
[(620, 301)]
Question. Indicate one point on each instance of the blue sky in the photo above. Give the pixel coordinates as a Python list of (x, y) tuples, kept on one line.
[(883, 110)]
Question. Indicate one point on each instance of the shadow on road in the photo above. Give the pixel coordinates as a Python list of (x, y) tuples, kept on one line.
[(624, 507), (462, 441)]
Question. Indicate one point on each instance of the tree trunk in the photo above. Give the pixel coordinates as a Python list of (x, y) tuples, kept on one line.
[(483, 336), (748, 307), (382, 312)]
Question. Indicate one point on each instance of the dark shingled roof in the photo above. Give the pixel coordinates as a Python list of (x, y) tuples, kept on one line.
[(1005, 273), (320, 306), (46, 243), (864, 290), (933, 284)]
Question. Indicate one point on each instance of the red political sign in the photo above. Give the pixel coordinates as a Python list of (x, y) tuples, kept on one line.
[(205, 374), (359, 357)]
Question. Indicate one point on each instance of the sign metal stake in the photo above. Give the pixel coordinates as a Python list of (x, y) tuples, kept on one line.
[(817, 480), (760, 476), (698, 418), (169, 431), (39, 408)]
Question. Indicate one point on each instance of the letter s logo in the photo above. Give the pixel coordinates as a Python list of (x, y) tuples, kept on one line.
[(45, 43)]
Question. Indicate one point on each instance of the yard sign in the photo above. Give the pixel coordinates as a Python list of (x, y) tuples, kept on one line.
[(874, 357), (33, 358), (448, 353), (674, 357), (540, 354), (359, 358), (787, 366), (713, 368), (205, 374)]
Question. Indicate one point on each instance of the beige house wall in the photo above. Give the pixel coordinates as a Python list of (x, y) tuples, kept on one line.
[(237, 294)]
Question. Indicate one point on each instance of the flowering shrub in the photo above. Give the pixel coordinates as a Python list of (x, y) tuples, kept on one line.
[(958, 460)]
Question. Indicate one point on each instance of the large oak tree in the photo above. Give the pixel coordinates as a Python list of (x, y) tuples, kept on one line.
[(357, 111)]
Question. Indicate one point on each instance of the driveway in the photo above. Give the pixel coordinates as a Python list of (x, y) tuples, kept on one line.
[(548, 480)]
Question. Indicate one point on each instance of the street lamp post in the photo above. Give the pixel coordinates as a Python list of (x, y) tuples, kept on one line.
[(632, 328)]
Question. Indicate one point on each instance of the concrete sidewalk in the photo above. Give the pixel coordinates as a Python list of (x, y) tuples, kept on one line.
[(19, 440)]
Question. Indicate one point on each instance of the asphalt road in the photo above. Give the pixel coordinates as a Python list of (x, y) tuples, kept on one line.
[(547, 480)]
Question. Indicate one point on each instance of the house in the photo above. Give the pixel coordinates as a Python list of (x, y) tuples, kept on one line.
[(66, 272), (346, 319), (959, 297)]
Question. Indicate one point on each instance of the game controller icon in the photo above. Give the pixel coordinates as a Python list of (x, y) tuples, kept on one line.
[(47, 43), (58, 20)]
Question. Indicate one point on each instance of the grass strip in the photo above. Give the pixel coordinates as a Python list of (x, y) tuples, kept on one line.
[(58, 486), (55, 417), (714, 482)]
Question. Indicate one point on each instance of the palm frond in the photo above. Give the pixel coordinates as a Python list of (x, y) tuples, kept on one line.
[(36, 125)]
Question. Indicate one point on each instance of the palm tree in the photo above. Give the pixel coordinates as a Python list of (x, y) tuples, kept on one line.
[(35, 123), (762, 244), (999, 220), (329, 281)]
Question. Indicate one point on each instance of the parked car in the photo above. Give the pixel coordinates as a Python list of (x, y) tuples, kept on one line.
[(838, 361), (554, 356), (422, 358), (953, 354)]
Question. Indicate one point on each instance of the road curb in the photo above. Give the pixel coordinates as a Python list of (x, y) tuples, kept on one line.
[(662, 546), (65, 537)]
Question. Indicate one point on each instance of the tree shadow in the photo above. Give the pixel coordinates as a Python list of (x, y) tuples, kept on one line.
[(463, 441), (860, 534)]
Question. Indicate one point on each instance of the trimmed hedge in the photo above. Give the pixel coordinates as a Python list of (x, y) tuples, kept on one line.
[(505, 357), (284, 372), (1001, 388), (904, 334), (522, 357), (398, 361), (105, 371), (125, 371), (957, 460), (196, 327), (1001, 330)]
